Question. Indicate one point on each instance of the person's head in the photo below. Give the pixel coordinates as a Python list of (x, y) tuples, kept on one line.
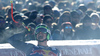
[(2, 22), (48, 20), (89, 11), (61, 5), (56, 13), (91, 5), (47, 9), (81, 14), (42, 33), (95, 17), (15, 13), (82, 7), (87, 20), (75, 17), (68, 5), (24, 10), (33, 15), (19, 19), (65, 16), (67, 27)]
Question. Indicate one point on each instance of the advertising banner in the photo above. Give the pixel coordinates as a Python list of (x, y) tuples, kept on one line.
[(84, 50), (68, 48), (11, 52)]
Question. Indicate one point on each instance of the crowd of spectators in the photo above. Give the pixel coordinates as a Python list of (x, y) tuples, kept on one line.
[(67, 19)]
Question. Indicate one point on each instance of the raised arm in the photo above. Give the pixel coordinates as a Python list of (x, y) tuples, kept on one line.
[(16, 41)]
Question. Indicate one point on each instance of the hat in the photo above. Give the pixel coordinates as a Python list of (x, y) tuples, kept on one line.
[(66, 23), (73, 13), (82, 7), (33, 15), (47, 6), (47, 17), (18, 16)]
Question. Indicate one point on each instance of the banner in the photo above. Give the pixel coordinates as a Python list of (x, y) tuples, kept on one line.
[(11, 52), (79, 50), (67, 48)]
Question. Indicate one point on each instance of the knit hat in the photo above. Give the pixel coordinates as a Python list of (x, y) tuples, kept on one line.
[(66, 23)]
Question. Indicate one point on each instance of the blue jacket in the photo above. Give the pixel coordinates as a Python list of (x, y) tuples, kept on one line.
[(30, 49)]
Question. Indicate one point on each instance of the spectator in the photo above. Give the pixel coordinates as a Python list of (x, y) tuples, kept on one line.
[(24, 10), (83, 31), (33, 16), (48, 10), (95, 18), (95, 31), (15, 12), (55, 27), (80, 12), (83, 8), (67, 32), (75, 18), (61, 6), (65, 17), (68, 5), (56, 35), (56, 16), (48, 20), (91, 5), (89, 11), (17, 27), (74, 4)]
